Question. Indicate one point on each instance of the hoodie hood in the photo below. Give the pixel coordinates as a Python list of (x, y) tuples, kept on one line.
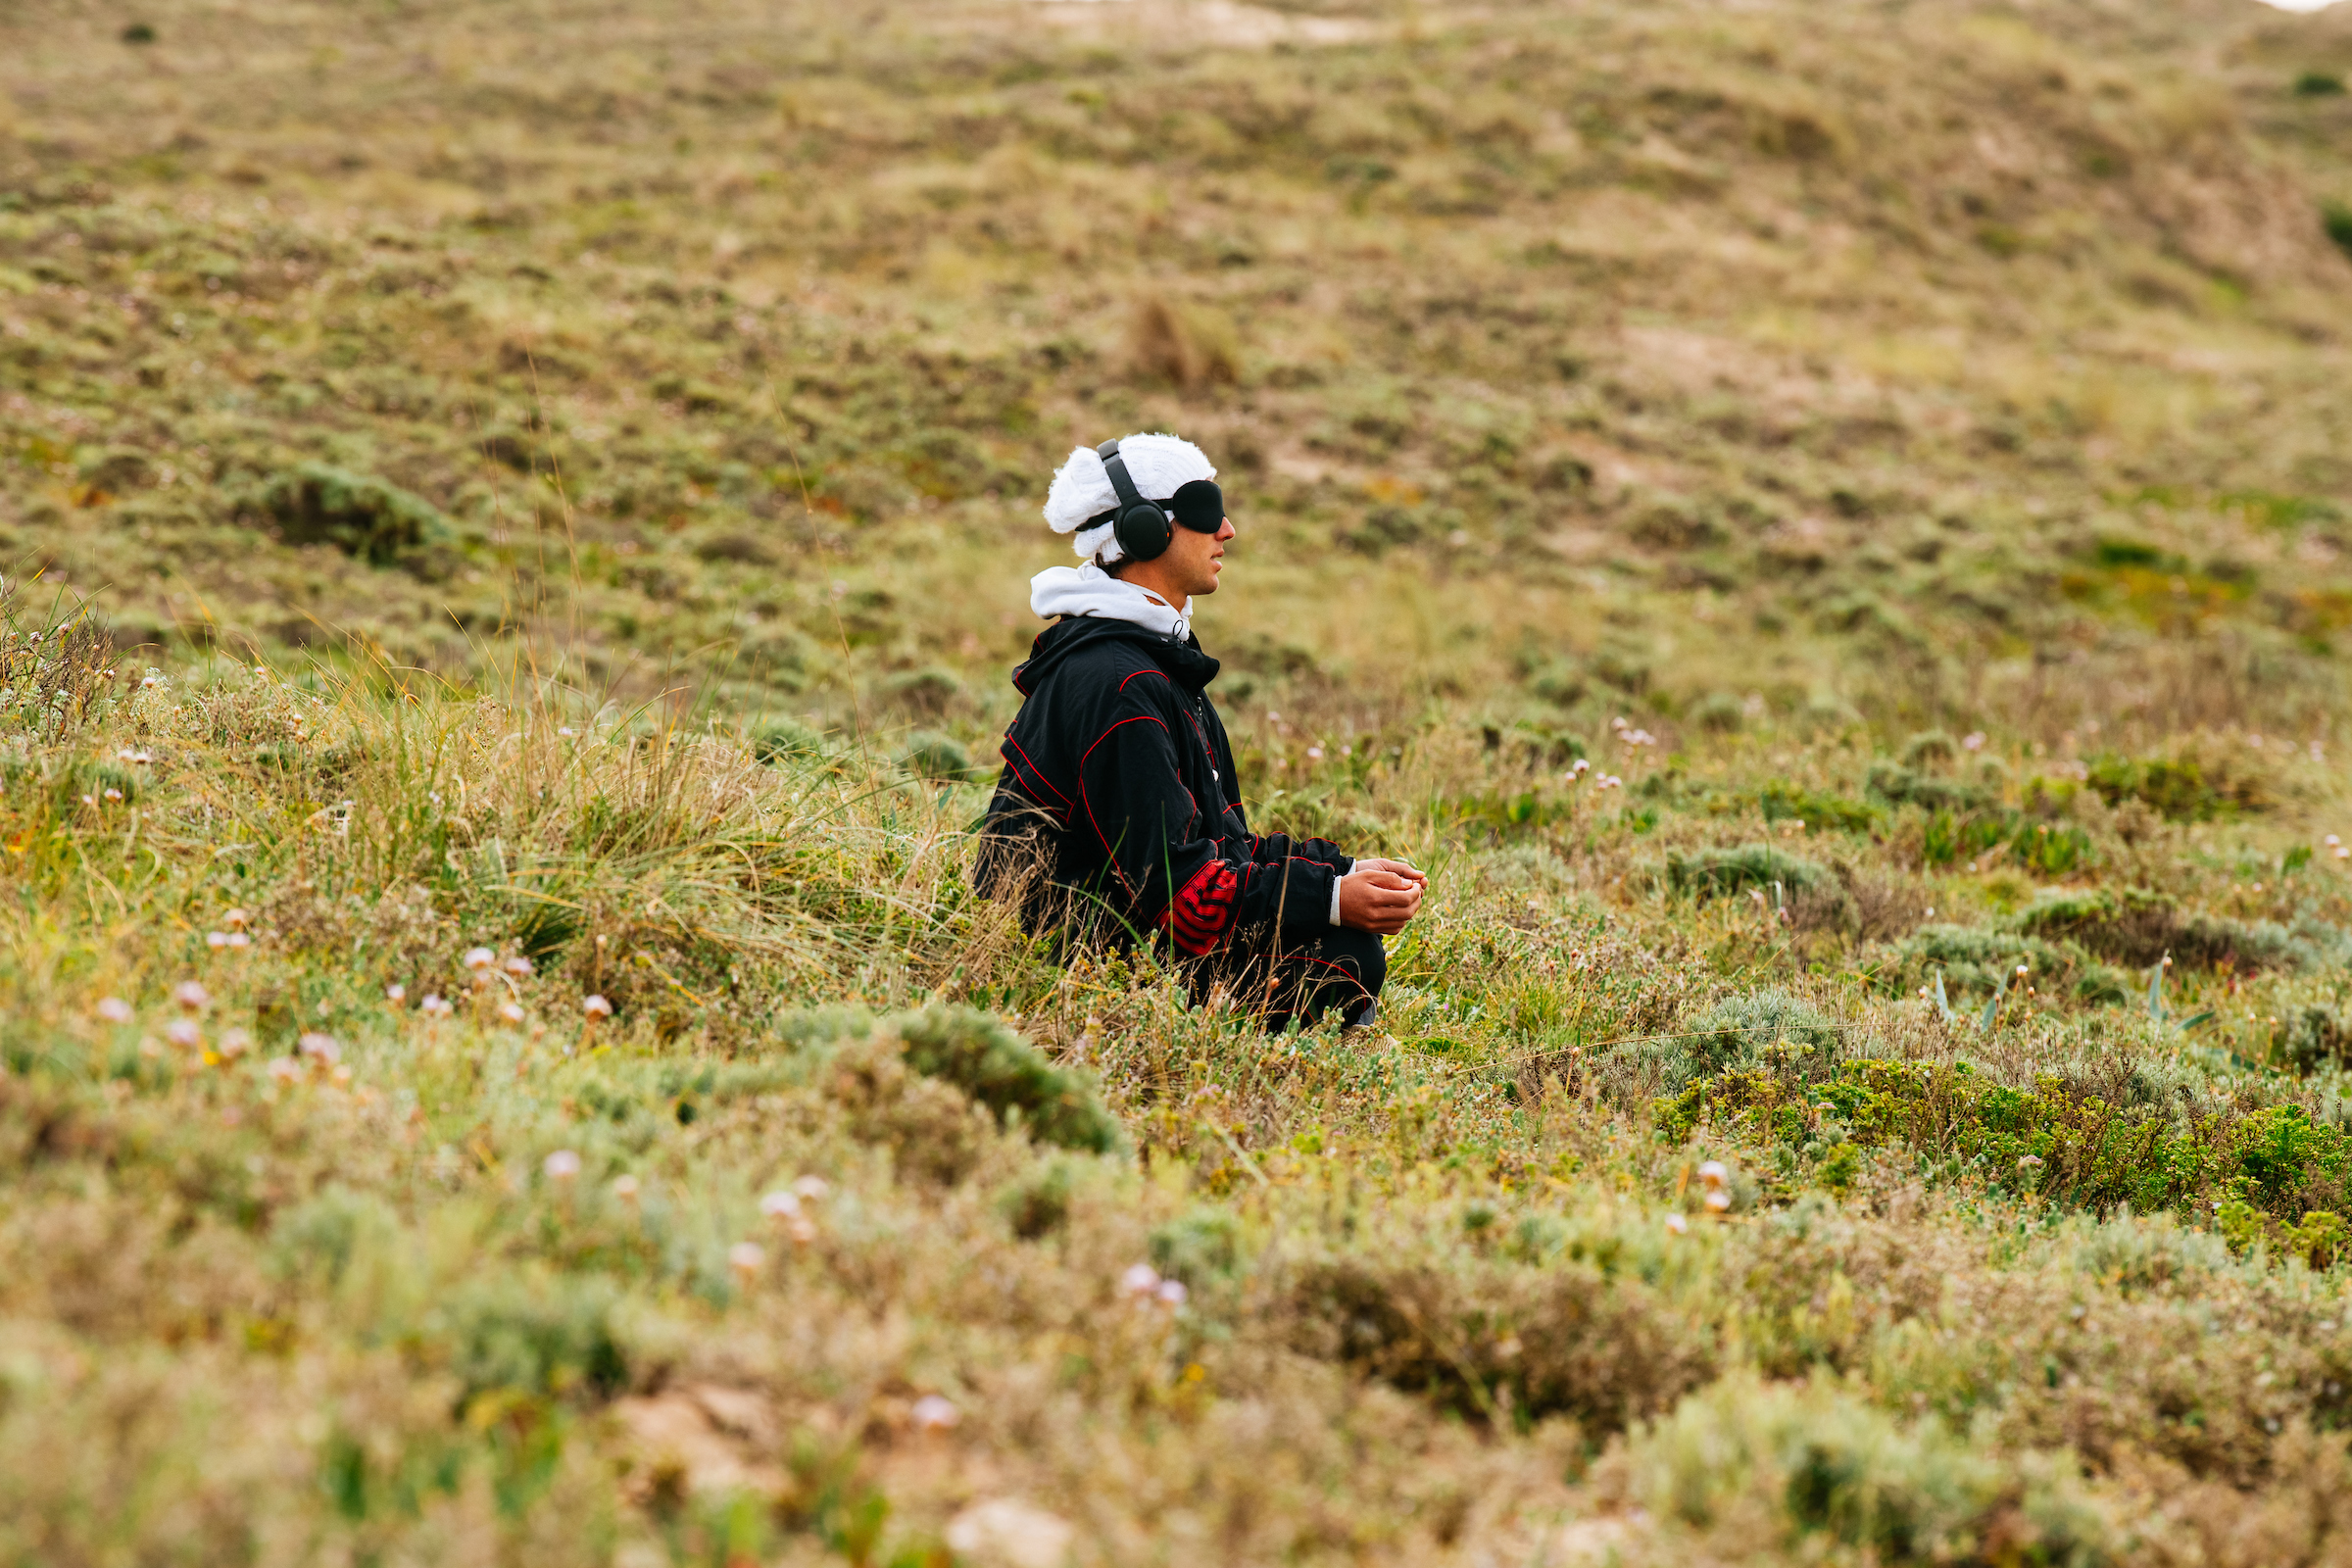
[(1075, 635), (1089, 590)]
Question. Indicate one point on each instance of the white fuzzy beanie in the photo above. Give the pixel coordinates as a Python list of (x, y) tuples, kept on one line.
[(1159, 465)]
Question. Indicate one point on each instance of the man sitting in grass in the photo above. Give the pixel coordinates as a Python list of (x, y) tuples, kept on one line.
[(1118, 815)]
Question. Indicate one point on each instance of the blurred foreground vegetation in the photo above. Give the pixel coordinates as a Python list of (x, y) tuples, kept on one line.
[(1822, 528)]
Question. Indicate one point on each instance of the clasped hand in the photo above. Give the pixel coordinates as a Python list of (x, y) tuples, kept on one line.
[(1381, 895)]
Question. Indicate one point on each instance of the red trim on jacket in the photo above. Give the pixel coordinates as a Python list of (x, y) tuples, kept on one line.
[(1029, 769), (1110, 851)]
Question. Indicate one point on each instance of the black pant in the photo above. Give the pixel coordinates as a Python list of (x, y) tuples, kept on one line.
[(1339, 967)]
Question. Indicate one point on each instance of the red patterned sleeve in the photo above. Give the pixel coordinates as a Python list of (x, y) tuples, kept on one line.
[(1202, 912)]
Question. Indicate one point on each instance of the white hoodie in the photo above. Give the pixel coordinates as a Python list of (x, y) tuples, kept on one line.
[(1089, 590)]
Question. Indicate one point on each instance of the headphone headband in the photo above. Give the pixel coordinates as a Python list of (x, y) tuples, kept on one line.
[(1142, 527), (1114, 467)]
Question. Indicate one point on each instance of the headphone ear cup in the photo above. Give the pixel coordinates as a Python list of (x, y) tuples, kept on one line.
[(1144, 532)]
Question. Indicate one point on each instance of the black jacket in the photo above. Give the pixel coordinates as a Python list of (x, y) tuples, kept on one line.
[(1119, 813)]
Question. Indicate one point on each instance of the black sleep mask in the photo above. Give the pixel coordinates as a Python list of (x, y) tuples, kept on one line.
[(1199, 505)]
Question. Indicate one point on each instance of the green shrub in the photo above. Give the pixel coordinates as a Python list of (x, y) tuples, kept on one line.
[(786, 740), (930, 691), (2214, 940), (1982, 959), (2314, 1037), (1783, 802), (2139, 927), (2115, 550), (1769, 1027), (1201, 1248), (325, 1233), (2054, 850), (1718, 712), (2320, 1240), (1929, 748), (2134, 925), (2282, 1154), (1037, 1202), (932, 755), (1828, 1464), (1544, 746), (117, 469), (2319, 84), (1900, 786), (1563, 1340), (544, 1337), (2335, 219), (379, 524), (1560, 683), (1710, 872), (2175, 787), (2058, 1139), (977, 1053)]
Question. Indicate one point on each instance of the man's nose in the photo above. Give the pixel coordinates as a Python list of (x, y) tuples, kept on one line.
[(1225, 530)]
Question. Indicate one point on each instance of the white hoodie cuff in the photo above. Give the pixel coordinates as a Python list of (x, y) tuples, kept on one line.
[(1342, 872)]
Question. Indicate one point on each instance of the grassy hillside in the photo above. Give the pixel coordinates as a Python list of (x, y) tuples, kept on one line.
[(1823, 526), (1849, 363)]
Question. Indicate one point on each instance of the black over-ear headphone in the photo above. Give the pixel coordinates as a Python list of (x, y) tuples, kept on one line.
[(1142, 527)]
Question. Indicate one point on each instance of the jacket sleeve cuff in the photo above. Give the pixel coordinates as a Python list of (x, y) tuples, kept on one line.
[(1307, 899), (1336, 875)]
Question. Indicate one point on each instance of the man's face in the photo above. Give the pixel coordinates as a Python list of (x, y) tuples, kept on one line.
[(1194, 560)]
